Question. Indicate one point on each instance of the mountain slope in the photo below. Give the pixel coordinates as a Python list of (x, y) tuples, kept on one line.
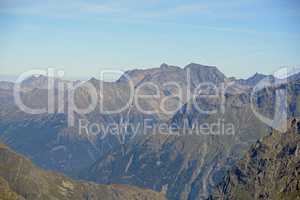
[(61, 148), (20, 179), (270, 170), (6, 193), (185, 166)]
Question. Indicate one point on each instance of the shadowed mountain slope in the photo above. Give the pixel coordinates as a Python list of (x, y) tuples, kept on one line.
[(20, 179)]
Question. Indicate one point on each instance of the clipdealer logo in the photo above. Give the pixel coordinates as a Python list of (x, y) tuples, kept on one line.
[(61, 98)]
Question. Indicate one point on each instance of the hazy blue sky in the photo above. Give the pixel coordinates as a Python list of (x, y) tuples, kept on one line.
[(82, 37)]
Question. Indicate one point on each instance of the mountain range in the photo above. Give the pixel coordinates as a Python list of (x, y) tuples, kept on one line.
[(184, 166)]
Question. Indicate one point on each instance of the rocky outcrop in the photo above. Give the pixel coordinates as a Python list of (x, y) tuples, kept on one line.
[(269, 171)]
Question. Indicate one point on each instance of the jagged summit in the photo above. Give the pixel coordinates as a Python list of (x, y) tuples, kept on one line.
[(253, 80), (41, 81), (35, 80), (165, 66), (94, 81), (199, 66), (166, 73)]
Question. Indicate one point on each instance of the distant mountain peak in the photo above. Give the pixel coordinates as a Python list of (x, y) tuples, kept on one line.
[(93, 80), (258, 75), (33, 78), (165, 66), (36, 81), (199, 66), (253, 80)]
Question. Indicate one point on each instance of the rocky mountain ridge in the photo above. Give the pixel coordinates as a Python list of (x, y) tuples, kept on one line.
[(269, 170)]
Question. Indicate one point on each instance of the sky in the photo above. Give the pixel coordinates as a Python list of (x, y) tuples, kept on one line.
[(82, 38)]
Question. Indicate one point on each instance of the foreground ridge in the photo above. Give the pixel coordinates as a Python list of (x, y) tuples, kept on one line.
[(270, 169), (20, 180)]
